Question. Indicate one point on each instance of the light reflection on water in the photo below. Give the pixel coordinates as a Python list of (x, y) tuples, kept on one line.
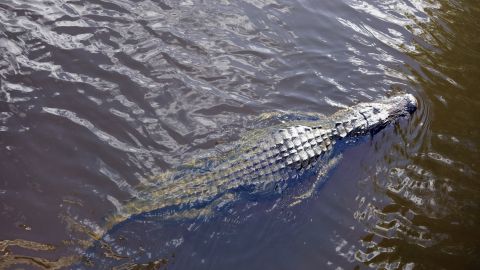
[(97, 97)]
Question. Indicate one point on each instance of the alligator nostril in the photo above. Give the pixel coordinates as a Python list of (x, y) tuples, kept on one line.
[(412, 103), (411, 108)]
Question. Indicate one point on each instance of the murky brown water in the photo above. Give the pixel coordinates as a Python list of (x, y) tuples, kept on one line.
[(96, 96)]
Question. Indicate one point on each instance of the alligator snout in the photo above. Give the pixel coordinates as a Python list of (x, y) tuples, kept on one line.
[(412, 103)]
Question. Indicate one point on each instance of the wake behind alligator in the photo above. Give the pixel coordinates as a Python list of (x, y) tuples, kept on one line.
[(262, 160)]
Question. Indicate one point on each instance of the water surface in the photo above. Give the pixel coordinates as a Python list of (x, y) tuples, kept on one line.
[(97, 96)]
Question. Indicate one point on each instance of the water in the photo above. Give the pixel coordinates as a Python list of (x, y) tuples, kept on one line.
[(98, 96)]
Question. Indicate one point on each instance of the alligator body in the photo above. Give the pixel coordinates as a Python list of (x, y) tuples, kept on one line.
[(270, 156)]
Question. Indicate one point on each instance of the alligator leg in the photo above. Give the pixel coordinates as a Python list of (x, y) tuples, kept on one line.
[(319, 180), (204, 212)]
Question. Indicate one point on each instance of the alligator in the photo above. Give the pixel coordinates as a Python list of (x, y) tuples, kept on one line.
[(263, 159)]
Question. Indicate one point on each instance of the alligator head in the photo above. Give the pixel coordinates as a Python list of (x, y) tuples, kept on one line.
[(373, 116)]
